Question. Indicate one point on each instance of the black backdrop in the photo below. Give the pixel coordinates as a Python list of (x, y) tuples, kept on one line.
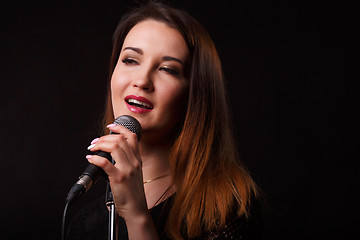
[(289, 70)]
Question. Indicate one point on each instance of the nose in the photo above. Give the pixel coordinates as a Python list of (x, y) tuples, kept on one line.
[(143, 80)]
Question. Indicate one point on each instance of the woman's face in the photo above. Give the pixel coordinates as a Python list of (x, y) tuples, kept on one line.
[(148, 81)]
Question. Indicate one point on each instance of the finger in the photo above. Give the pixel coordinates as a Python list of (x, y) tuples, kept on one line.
[(109, 143), (116, 173), (130, 136), (117, 145), (103, 163)]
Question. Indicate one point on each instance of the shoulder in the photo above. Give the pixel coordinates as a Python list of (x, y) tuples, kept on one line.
[(242, 227)]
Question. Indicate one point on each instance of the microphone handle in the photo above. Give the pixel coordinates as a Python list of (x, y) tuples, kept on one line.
[(88, 178)]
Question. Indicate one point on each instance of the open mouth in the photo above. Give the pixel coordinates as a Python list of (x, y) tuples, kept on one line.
[(139, 104)]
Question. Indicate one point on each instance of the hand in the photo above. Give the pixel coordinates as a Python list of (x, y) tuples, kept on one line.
[(125, 176)]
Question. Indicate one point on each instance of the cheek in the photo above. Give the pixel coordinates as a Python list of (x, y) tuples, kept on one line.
[(118, 83), (175, 98), (175, 109), (115, 81), (118, 78), (117, 86)]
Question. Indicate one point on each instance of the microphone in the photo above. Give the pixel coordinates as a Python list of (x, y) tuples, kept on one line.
[(92, 173)]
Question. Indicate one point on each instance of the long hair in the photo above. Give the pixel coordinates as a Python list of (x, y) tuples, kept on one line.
[(206, 171)]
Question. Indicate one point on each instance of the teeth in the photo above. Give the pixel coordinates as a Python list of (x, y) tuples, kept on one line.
[(139, 103)]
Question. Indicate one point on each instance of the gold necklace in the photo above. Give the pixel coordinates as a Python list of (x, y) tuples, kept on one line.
[(150, 180)]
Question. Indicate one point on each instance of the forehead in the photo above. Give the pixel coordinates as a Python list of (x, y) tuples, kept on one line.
[(156, 37)]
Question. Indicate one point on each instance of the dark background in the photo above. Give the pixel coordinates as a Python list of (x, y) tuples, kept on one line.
[(289, 67)]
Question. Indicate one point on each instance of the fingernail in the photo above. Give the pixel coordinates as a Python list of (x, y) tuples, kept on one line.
[(95, 141), (89, 156), (111, 125), (91, 146)]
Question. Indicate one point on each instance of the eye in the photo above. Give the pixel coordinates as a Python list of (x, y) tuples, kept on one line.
[(169, 70), (129, 61)]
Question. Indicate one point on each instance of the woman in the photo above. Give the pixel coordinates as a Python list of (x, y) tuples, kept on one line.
[(183, 179)]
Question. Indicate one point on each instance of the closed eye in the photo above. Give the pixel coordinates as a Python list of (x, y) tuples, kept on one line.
[(129, 61), (169, 70)]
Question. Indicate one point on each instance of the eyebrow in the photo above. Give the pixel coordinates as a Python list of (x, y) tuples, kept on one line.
[(168, 58), (140, 51)]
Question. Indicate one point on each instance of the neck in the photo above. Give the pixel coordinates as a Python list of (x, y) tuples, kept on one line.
[(155, 164), (154, 159)]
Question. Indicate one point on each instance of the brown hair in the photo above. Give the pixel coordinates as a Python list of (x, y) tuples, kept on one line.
[(206, 170)]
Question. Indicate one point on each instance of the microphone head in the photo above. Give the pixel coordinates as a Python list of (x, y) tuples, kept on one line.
[(130, 123)]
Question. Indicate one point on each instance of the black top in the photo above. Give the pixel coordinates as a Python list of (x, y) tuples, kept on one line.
[(91, 223)]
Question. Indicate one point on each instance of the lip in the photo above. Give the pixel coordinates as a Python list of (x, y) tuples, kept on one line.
[(135, 109)]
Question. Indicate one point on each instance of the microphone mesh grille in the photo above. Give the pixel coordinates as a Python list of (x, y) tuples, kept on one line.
[(130, 123)]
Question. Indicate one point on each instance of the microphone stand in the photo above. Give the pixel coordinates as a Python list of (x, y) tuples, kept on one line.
[(112, 211)]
